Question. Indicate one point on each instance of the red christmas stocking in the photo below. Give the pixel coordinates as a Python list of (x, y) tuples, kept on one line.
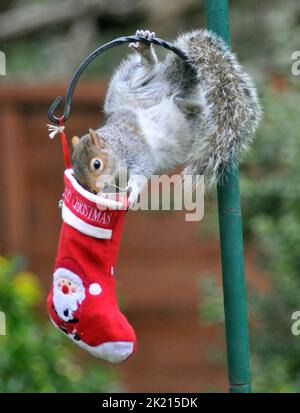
[(82, 301)]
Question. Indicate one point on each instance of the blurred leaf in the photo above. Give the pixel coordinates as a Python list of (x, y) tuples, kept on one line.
[(27, 286)]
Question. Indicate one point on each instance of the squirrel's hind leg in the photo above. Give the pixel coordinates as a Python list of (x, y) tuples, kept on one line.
[(188, 106), (145, 50)]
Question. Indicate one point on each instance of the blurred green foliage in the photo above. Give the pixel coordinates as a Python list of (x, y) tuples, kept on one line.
[(271, 204), (270, 189), (35, 357)]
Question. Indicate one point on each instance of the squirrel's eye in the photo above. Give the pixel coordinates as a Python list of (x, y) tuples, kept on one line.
[(96, 164)]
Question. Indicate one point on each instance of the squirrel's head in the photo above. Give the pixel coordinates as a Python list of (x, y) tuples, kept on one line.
[(89, 160)]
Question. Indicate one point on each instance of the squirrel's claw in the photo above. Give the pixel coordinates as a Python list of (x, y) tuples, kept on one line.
[(133, 199), (146, 34), (141, 47), (133, 196)]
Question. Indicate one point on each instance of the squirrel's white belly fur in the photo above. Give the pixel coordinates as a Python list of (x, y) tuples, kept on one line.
[(167, 133)]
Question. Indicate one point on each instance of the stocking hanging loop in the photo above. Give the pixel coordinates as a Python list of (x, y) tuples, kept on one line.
[(126, 39)]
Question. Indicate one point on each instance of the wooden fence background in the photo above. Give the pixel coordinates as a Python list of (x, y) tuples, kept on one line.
[(161, 259)]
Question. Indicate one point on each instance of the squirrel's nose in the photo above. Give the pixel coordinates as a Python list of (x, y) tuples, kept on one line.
[(65, 289)]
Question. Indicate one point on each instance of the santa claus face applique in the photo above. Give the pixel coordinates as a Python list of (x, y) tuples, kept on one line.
[(68, 293)]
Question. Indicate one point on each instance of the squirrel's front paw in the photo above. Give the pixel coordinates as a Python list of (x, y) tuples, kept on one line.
[(140, 47), (133, 196)]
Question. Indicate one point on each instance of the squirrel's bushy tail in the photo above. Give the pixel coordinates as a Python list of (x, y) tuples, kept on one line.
[(230, 108)]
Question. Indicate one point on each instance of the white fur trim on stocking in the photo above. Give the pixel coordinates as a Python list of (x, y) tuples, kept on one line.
[(98, 199), (114, 351), (82, 226)]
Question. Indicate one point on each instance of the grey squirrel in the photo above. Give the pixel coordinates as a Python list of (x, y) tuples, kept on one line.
[(202, 112)]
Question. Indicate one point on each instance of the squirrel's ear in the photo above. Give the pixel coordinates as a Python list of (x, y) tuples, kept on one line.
[(96, 139), (75, 141)]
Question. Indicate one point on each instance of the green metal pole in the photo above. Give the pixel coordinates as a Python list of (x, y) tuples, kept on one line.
[(232, 246)]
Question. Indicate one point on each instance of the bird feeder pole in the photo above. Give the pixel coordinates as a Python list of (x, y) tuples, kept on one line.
[(231, 239)]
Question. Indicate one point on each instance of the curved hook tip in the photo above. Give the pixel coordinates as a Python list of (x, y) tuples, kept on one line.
[(53, 108)]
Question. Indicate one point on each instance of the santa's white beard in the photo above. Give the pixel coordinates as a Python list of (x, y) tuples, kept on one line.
[(66, 304)]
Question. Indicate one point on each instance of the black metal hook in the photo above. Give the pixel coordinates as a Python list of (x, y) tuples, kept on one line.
[(90, 58)]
